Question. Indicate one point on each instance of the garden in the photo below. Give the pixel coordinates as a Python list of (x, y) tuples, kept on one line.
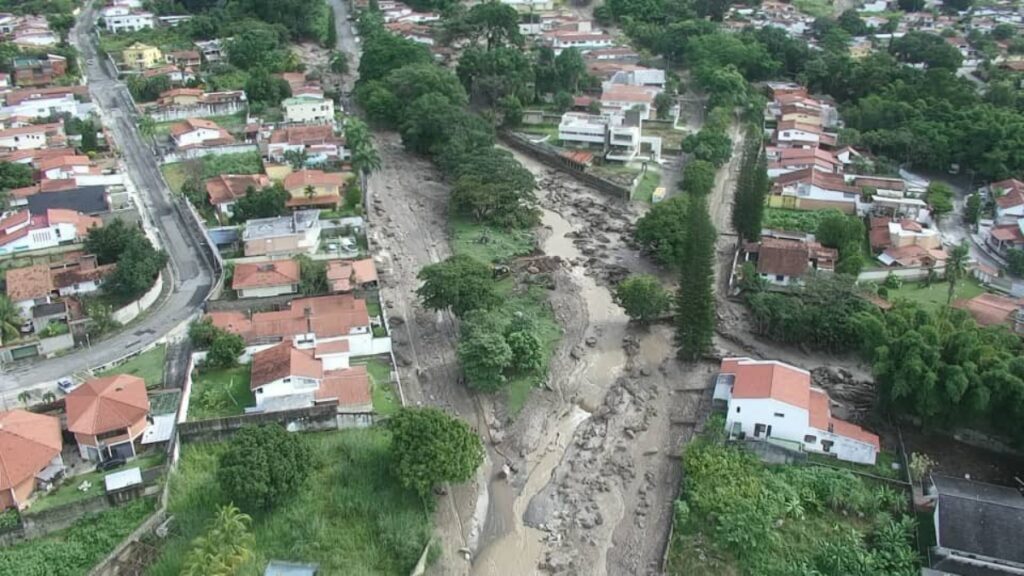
[(933, 296), (738, 516), (357, 520), (75, 550), (89, 485), (385, 397), (217, 393)]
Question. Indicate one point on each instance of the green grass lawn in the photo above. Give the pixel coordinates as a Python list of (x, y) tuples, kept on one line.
[(219, 393), (68, 492), (532, 304), (793, 220), (541, 130), (934, 297), (351, 517), (883, 465), (385, 397), (489, 244), (645, 188), (233, 123), (176, 175), (149, 366), (75, 550), (373, 307)]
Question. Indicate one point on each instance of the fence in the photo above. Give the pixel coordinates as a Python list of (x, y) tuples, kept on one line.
[(193, 153), (131, 311), (909, 274), (553, 159), (322, 417), (197, 111)]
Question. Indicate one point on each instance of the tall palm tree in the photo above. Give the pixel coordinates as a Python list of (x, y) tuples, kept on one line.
[(956, 268), (364, 155), (225, 547), (10, 320)]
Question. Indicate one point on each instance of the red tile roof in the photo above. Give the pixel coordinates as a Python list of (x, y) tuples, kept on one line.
[(28, 442), (344, 275), (107, 404), (1013, 193), (282, 361), (193, 124), (325, 316), (328, 348), (230, 187), (265, 274), (351, 387), (29, 283), (303, 178), (990, 309)]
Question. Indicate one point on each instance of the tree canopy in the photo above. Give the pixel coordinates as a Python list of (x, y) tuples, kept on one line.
[(643, 297), (430, 447), (460, 283), (263, 465)]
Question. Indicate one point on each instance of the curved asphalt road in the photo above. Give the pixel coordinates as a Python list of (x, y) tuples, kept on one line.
[(192, 273)]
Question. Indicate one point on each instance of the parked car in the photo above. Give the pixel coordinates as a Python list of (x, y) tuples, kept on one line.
[(111, 464), (66, 385)]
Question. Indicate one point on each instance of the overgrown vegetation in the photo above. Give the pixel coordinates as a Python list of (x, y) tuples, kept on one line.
[(76, 550), (352, 515), (738, 516), (138, 262)]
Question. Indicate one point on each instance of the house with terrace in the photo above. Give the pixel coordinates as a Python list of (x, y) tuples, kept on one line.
[(107, 416), (318, 142), (785, 259), (349, 275), (196, 132), (771, 401), (30, 455), (265, 279), (297, 233), (307, 323), (315, 189), (285, 377), (224, 190)]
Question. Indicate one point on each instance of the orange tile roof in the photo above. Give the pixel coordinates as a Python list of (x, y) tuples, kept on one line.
[(107, 404), (771, 379), (62, 161), (351, 387), (328, 348), (28, 442), (192, 124), (230, 187), (990, 309), (29, 282), (345, 274), (82, 222), (321, 200), (281, 361), (849, 430), (328, 317), (304, 178), (265, 274)]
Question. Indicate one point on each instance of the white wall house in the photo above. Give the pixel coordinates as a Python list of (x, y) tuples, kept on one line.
[(771, 401), (45, 107), (530, 5), (118, 19), (24, 138), (308, 109), (287, 377), (196, 131), (618, 141)]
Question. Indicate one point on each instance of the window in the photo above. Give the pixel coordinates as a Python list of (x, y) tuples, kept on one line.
[(779, 277), (826, 445), (810, 439), (737, 409), (780, 415)]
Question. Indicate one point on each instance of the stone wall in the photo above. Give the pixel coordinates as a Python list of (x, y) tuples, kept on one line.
[(323, 417), (199, 152), (552, 159), (130, 312)]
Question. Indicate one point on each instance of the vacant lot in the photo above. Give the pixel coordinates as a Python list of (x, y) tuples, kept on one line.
[(353, 517), (149, 366), (219, 393)]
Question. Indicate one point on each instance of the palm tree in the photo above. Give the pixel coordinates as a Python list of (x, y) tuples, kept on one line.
[(297, 158), (147, 126), (956, 268), (225, 547), (364, 155), (10, 320), (49, 397), (310, 192), (24, 397)]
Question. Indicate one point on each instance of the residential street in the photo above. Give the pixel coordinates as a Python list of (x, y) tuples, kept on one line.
[(191, 271)]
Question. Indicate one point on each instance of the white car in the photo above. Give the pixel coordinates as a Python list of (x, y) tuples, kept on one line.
[(66, 385)]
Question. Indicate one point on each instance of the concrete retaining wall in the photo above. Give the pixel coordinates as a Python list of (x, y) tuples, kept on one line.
[(322, 417), (199, 111), (54, 519), (909, 274), (191, 153), (553, 160), (131, 311)]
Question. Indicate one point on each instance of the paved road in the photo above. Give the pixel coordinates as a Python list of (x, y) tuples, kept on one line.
[(192, 273)]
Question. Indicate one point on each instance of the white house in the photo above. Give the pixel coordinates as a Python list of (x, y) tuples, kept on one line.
[(772, 401), (23, 138), (46, 106), (610, 133), (308, 109), (530, 5), (1009, 199), (579, 35), (22, 232), (284, 376), (199, 132), (785, 259), (118, 19)]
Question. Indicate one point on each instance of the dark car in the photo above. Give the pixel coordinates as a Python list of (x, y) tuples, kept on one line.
[(111, 463)]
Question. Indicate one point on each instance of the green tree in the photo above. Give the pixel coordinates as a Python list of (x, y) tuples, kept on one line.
[(494, 188), (354, 198), (331, 37), (695, 300), (359, 142), (430, 447), (494, 22), (225, 348), (147, 126), (698, 178), (511, 112), (662, 231), (956, 268), (642, 297), (312, 276), (338, 62), (384, 52), (527, 350), (265, 90), (296, 159), (570, 68), (940, 199), (10, 320), (459, 283), (972, 209), (751, 187), (563, 101), (202, 332), (263, 203), (13, 175), (484, 353), (101, 318), (1015, 262), (663, 105), (262, 466), (224, 548)]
